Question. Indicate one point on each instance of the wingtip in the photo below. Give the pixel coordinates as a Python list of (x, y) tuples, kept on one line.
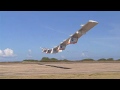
[(82, 25), (93, 21)]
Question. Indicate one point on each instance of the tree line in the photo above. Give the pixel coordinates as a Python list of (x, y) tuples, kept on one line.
[(46, 59)]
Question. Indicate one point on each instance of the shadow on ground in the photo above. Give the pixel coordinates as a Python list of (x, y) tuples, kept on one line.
[(56, 66)]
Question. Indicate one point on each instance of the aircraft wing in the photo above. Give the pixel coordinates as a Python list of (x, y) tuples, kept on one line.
[(56, 48), (90, 24), (64, 42)]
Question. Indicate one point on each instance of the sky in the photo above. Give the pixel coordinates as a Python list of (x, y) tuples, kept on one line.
[(22, 33)]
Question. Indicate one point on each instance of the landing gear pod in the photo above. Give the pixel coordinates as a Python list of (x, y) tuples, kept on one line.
[(61, 47), (72, 40)]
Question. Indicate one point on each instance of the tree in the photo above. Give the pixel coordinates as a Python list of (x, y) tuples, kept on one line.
[(53, 59), (102, 59), (31, 60), (44, 59), (88, 59), (110, 59)]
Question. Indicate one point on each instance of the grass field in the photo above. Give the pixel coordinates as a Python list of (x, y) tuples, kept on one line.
[(59, 70)]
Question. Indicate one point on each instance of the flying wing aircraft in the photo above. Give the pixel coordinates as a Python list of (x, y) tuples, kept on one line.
[(73, 39)]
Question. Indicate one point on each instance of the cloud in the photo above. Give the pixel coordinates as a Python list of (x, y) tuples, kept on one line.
[(29, 53), (1, 53), (84, 54), (7, 53)]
